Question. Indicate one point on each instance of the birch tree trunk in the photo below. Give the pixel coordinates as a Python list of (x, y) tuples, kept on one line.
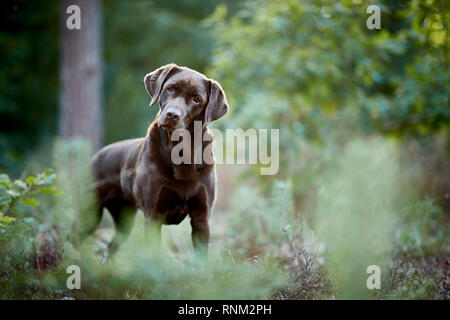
[(81, 74)]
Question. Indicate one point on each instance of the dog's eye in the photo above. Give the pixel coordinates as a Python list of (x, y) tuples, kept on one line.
[(170, 89), (196, 99)]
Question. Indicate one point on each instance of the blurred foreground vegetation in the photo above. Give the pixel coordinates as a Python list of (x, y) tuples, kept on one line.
[(364, 151)]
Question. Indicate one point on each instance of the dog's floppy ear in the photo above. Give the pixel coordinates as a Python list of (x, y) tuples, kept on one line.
[(217, 103), (154, 80)]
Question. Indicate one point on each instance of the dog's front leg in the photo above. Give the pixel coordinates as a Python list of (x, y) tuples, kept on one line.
[(199, 213), (200, 234)]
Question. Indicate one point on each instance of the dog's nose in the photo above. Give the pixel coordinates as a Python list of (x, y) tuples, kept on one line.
[(172, 116)]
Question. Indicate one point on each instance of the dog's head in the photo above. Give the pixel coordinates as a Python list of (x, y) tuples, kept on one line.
[(185, 96)]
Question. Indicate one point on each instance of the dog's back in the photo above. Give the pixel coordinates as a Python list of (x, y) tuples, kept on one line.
[(108, 165)]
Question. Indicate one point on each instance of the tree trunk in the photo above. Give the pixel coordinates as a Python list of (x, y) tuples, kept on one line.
[(81, 74)]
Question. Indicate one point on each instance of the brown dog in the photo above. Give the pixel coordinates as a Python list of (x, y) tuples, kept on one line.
[(139, 173)]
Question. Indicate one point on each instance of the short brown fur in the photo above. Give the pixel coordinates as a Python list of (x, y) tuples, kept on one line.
[(139, 173)]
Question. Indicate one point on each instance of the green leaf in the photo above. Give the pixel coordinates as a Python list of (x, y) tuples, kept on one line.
[(28, 220), (18, 206), (4, 179), (47, 180), (32, 202), (5, 198), (54, 191), (31, 180), (14, 193), (20, 184), (5, 220)]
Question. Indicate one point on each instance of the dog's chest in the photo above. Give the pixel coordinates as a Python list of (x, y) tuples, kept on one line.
[(175, 202)]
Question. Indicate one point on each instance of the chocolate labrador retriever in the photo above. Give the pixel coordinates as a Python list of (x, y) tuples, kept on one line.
[(140, 174)]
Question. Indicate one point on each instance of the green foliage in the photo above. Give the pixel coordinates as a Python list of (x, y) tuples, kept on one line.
[(257, 222), (19, 230), (17, 195), (16, 201), (5, 220), (314, 63), (423, 232), (17, 246), (356, 214)]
